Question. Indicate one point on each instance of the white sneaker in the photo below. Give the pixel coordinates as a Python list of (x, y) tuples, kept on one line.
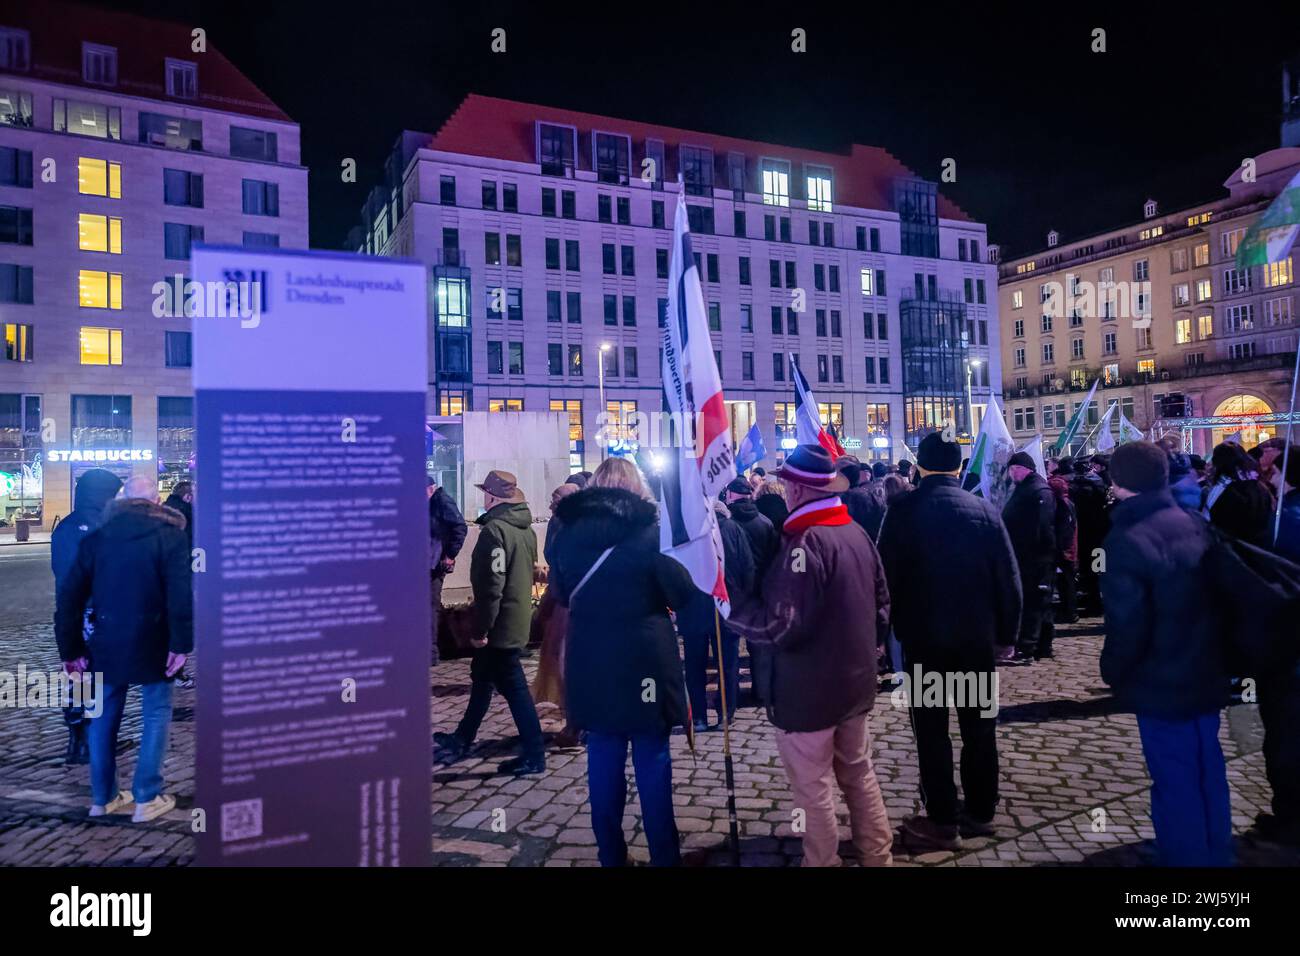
[(119, 804), (156, 807)]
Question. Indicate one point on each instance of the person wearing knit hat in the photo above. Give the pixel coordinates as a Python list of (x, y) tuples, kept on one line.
[(955, 606), (1030, 517), (1164, 658)]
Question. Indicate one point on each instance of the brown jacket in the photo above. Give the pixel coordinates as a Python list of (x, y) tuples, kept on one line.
[(824, 607)]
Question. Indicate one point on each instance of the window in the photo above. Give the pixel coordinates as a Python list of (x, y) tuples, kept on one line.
[(868, 282), (505, 404), (1182, 331), (661, 263), (1017, 299), (609, 262), (552, 305), (657, 213), (1141, 270), (183, 188), (609, 361), (1108, 343), (629, 361), (1277, 273), (1178, 260), (604, 209), (1147, 366), (871, 370), (776, 182), (834, 272), (516, 354), (819, 188), (178, 238), (99, 290), (628, 256), (88, 119), (738, 223), (747, 366), (15, 167), (15, 107), (715, 317), (261, 240), (554, 359), (1076, 348), (882, 326), (1144, 337), (492, 248), (1049, 353), (99, 233), (101, 346), (98, 64), (884, 370), (821, 323), (510, 197), (712, 261), (744, 270), (261, 198), (624, 211), (1203, 290), (1241, 350), (700, 219), (555, 149), (254, 144), (1239, 318), (18, 342), (1205, 325), (778, 327), (1018, 329), (514, 250), (1201, 254), (515, 305), (495, 358), (575, 361), (573, 307), (778, 367), (823, 369), (489, 194), (15, 50), (16, 284), (696, 164), (182, 79), (568, 204), (176, 350), (747, 318), (1020, 357), (611, 309), (629, 310), (548, 202), (1277, 311), (1228, 242), (552, 253), (572, 257), (1182, 294), (612, 158), (837, 368)]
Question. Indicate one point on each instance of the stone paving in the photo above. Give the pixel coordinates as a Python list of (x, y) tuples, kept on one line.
[(1074, 785)]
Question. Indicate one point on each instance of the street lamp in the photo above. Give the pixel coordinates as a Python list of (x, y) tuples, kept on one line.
[(970, 407)]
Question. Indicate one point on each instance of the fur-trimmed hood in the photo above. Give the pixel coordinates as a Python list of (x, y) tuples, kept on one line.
[(127, 518), (605, 516)]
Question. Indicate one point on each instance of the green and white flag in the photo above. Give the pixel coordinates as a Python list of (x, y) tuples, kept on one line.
[(1105, 440), (986, 473), (1072, 429), (1274, 233), (1128, 431)]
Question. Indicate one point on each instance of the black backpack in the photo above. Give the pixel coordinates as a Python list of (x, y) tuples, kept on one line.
[(1260, 595)]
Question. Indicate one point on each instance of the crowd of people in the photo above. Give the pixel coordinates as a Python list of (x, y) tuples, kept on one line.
[(842, 574)]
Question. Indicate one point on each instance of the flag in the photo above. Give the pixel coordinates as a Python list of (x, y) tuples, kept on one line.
[(1127, 430), (1034, 449), (986, 473), (688, 525), (752, 450), (807, 418), (1105, 440), (1072, 429), (1273, 234)]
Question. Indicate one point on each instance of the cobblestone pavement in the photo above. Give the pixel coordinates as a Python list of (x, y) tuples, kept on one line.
[(1066, 755)]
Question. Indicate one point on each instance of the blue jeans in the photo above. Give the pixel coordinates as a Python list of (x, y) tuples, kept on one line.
[(156, 719), (607, 780), (699, 646), (1189, 790)]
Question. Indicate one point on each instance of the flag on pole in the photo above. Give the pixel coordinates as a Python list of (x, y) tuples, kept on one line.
[(1105, 440), (1127, 430), (688, 525), (1274, 233), (986, 473), (1072, 429), (1034, 449), (751, 450), (807, 417)]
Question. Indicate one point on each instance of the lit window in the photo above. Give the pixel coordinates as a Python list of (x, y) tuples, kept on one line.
[(1147, 367), (17, 342), (97, 177), (776, 183), (819, 189), (87, 119), (100, 290), (1278, 273), (1205, 325), (99, 233), (1183, 331), (1203, 290), (867, 284), (1017, 299), (101, 346)]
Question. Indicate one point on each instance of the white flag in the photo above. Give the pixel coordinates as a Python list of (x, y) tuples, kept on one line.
[(1105, 440), (1034, 449), (988, 461), (1127, 430)]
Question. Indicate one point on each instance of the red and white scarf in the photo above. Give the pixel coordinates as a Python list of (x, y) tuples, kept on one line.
[(824, 511)]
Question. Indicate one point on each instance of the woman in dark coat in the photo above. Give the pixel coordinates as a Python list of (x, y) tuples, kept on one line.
[(770, 501), (623, 673), (1236, 500)]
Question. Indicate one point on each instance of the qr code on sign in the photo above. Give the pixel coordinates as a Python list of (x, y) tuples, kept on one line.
[(241, 821)]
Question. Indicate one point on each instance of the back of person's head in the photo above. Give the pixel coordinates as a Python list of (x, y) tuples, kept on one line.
[(878, 470), (620, 473), (772, 486), (896, 486), (183, 488), (761, 472), (1140, 466), (1065, 466), (1229, 460), (905, 468), (1197, 463), (850, 468), (140, 486)]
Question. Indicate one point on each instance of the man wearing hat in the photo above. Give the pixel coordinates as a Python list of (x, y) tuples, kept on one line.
[(1163, 655), (955, 598), (1030, 517), (824, 609), (501, 574)]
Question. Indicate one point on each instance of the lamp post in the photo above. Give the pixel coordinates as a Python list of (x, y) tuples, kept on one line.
[(600, 377), (970, 406)]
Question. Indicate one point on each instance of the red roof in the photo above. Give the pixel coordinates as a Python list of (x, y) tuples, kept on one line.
[(503, 129), (143, 45)]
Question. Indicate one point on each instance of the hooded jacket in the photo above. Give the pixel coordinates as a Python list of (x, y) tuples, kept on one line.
[(501, 574), (764, 539), (95, 489), (1030, 517), (447, 529), (135, 567), (623, 672)]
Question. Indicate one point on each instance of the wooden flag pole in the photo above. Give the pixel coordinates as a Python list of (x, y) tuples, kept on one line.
[(726, 741)]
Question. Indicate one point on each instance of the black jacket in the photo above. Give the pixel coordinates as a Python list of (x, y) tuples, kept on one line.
[(738, 567), (1164, 652), (866, 504), (1030, 517), (774, 508), (1091, 512), (623, 672), (764, 538), (447, 528), (181, 506), (1245, 509), (95, 489), (136, 569), (952, 573)]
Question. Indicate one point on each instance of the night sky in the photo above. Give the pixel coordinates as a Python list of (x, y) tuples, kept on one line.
[(1046, 134)]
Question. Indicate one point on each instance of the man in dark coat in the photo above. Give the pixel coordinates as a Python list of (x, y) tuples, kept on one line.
[(135, 569), (824, 607), (95, 489), (864, 499), (1091, 512), (181, 499), (501, 574), (956, 599), (623, 673), (1030, 519), (1164, 658), (447, 532), (764, 542)]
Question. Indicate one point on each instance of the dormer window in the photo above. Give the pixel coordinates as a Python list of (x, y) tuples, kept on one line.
[(696, 164), (1149, 209), (819, 188), (776, 182), (15, 50), (99, 64), (556, 148), (612, 157), (736, 174), (182, 79)]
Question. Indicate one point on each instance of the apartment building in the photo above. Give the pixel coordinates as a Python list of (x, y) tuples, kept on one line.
[(123, 141), (547, 234), (1159, 312)]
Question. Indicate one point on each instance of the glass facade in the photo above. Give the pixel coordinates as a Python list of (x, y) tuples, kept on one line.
[(935, 350)]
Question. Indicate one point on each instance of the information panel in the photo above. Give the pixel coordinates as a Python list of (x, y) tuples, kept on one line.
[(311, 584)]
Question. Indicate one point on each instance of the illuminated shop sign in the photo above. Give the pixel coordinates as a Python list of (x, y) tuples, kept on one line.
[(55, 455)]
